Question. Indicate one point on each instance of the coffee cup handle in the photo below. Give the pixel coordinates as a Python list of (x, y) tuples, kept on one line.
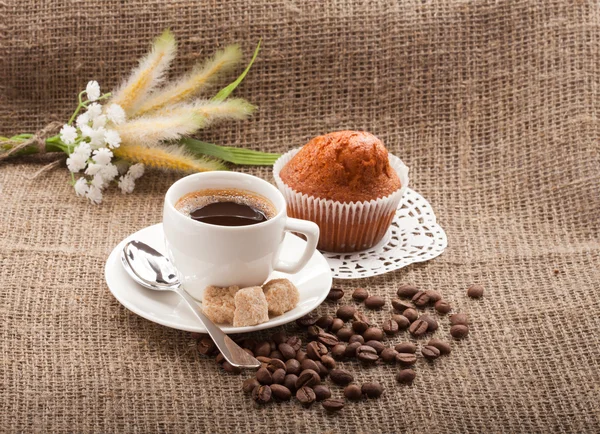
[(308, 229)]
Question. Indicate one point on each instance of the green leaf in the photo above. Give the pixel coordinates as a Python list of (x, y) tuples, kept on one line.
[(224, 93), (230, 154)]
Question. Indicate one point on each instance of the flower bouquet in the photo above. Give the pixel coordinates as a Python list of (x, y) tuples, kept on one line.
[(145, 122)]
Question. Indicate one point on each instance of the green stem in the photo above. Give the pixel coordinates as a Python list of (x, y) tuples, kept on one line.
[(230, 154), (83, 104)]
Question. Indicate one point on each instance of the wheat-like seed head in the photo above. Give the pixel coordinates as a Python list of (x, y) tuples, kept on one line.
[(147, 75), (151, 130), (189, 85), (211, 111), (169, 157)]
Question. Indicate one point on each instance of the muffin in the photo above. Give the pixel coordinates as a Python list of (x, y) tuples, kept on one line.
[(345, 182)]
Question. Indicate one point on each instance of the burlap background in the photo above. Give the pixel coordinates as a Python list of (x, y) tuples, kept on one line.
[(494, 106)]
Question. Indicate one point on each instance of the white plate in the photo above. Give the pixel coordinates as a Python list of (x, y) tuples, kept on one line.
[(168, 309)]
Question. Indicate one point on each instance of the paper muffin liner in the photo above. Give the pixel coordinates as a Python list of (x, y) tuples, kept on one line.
[(345, 227)]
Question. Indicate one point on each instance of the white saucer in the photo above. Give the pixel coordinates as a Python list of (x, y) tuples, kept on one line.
[(313, 282)]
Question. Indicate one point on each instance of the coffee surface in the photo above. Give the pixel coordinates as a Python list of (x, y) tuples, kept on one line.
[(226, 207)]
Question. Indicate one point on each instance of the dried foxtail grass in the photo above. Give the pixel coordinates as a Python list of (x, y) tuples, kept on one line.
[(167, 157), (151, 130), (189, 85), (147, 75), (210, 111)]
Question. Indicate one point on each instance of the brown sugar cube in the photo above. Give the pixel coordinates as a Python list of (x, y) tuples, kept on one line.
[(251, 307), (218, 303), (281, 295)]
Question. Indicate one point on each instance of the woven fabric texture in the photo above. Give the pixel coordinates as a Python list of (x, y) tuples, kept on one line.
[(492, 104)]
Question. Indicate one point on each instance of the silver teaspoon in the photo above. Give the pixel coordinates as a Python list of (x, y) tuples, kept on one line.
[(153, 270)]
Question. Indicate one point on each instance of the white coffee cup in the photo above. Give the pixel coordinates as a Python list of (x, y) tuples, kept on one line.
[(207, 254)]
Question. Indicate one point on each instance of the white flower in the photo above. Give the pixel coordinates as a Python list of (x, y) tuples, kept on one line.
[(97, 138), (76, 162), (99, 121), (68, 134), (94, 110), (115, 114), (136, 171), (92, 90), (83, 148), (81, 187), (86, 130), (102, 156), (94, 194), (112, 138), (82, 120), (109, 172), (99, 181), (93, 168), (126, 184)]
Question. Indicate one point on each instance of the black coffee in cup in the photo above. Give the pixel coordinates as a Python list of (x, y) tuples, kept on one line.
[(226, 207)]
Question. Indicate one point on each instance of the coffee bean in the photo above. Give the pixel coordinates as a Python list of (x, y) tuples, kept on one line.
[(280, 392), (323, 371), (373, 333), (309, 364), (374, 302), (273, 346), (339, 351), (459, 331), (313, 331), (278, 338), (264, 376), (420, 299), (432, 324), (402, 321), (345, 312), (434, 296), (336, 325), (372, 390), (335, 294), (459, 318), (328, 362), (359, 326), (430, 352), (444, 347), (276, 355), (406, 347), (377, 345), (475, 291), (406, 358), (407, 290), (341, 376), (286, 351), (308, 377), (249, 343), (261, 394), (292, 366), (295, 342), (401, 305), (344, 334), (262, 348), (418, 328), (275, 364), (306, 320), (388, 355), (249, 384), (325, 322), (353, 392), (228, 367), (314, 350), (360, 316), (263, 359), (390, 327), (290, 381), (327, 339), (442, 306), (306, 396), (366, 354), (322, 392), (411, 314), (360, 294), (300, 355), (278, 376), (333, 405), (356, 338), (406, 376), (206, 346), (351, 349)]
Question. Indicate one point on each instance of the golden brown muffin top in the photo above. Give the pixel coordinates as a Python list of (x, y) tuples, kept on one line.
[(345, 166)]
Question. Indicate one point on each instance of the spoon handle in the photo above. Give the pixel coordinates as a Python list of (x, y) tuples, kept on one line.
[(231, 351)]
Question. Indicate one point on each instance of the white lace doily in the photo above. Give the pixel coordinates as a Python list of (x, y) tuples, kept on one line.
[(414, 236)]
